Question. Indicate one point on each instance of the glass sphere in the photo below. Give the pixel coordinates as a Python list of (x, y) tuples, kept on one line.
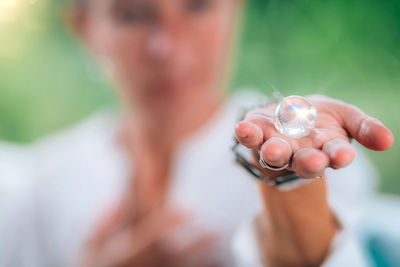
[(295, 117)]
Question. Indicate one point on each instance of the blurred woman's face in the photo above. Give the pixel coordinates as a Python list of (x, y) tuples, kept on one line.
[(163, 52)]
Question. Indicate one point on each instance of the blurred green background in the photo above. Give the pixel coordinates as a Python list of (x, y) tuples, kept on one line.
[(345, 49)]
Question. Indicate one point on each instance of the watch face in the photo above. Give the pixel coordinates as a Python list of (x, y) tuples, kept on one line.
[(245, 158)]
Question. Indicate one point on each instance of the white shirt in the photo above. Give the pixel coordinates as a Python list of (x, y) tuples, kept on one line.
[(53, 192)]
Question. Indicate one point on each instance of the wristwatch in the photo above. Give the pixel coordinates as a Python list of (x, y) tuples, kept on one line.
[(243, 157)]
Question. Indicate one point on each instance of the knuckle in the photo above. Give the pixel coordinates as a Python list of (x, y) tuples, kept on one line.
[(318, 138)]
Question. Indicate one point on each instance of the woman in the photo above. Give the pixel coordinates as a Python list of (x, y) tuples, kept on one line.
[(169, 60)]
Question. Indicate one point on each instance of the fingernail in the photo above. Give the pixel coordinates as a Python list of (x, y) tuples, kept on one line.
[(239, 134), (378, 122)]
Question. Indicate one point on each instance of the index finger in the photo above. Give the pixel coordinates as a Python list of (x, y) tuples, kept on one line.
[(257, 127)]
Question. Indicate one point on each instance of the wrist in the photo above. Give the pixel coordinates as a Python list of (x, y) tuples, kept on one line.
[(278, 247), (296, 227)]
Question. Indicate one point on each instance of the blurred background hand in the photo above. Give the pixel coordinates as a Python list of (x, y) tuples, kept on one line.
[(145, 243)]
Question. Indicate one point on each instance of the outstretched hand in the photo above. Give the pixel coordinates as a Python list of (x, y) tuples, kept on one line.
[(328, 144)]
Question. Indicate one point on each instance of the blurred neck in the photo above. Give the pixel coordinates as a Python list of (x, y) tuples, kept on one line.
[(163, 130)]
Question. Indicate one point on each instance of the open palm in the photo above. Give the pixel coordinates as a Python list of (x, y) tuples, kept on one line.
[(327, 145)]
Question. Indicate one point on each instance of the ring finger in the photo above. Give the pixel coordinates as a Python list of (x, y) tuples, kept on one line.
[(276, 152)]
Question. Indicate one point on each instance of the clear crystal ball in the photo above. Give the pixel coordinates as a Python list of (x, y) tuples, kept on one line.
[(295, 117)]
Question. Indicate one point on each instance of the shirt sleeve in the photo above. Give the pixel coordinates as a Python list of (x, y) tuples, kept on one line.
[(19, 242)]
